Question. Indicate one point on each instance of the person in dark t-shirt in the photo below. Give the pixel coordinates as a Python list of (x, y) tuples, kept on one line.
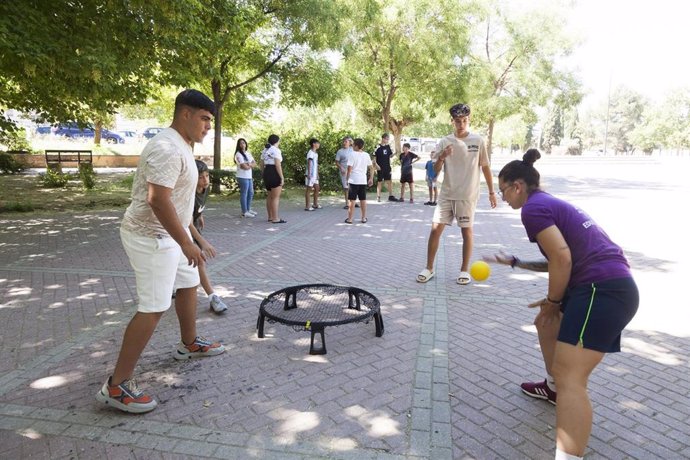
[(382, 164)]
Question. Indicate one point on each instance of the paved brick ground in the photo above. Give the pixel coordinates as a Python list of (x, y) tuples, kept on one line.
[(440, 384)]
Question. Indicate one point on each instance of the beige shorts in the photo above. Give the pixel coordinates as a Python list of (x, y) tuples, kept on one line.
[(460, 210), (160, 268)]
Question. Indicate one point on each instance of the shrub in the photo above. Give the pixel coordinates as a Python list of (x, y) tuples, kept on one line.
[(225, 178), (127, 181), (9, 164), (87, 175), (54, 179), (17, 207), (294, 147), (14, 138)]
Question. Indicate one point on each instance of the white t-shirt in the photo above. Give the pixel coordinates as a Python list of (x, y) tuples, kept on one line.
[(462, 167), (271, 154), (166, 160), (243, 173), (359, 161), (314, 156)]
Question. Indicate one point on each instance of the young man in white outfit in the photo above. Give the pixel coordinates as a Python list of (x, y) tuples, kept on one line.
[(461, 156), (156, 237), (357, 166)]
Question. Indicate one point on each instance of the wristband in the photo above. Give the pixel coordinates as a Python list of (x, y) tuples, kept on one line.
[(559, 302), (514, 262), (492, 193)]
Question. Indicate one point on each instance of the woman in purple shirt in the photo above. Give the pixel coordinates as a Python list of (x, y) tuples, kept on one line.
[(591, 297)]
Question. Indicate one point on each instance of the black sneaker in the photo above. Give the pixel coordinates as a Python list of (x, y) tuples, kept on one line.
[(392, 198)]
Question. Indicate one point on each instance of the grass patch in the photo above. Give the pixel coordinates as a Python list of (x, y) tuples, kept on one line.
[(26, 193), (21, 193)]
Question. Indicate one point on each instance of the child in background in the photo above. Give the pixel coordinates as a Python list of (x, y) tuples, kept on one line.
[(357, 165), (407, 158), (217, 305), (431, 177), (311, 178)]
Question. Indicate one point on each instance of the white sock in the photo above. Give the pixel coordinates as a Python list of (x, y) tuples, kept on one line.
[(211, 295), (560, 455), (550, 382)]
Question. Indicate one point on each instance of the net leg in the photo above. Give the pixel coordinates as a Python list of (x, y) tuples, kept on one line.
[(260, 325), (356, 305), (378, 320), (290, 295), (322, 349)]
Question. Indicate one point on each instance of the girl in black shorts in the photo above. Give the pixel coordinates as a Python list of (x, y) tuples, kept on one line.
[(591, 297), (271, 165)]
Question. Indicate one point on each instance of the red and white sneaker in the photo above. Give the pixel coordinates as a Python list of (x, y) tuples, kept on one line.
[(200, 348), (126, 396), (539, 390)]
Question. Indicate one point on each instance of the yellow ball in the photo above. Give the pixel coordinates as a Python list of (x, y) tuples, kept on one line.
[(480, 270)]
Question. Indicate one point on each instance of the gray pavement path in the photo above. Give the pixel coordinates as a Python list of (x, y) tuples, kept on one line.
[(441, 383)]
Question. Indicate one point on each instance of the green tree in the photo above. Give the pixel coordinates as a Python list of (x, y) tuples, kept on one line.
[(572, 131), (72, 60), (666, 124), (243, 52), (553, 130), (625, 113), (510, 133), (397, 61), (514, 68), (529, 136)]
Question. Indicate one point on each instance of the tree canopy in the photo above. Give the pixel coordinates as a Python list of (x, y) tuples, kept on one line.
[(68, 60), (398, 60), (399, 63)]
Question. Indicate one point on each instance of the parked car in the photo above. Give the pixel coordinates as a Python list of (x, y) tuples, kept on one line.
[(150, 132), (128, 136), (73, 131)]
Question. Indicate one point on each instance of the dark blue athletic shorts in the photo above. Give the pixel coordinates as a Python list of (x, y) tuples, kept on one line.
[(594, 315)]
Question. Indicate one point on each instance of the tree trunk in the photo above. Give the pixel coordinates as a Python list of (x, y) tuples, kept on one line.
[(97, 132), (396, 130), (217, 135), (490, 137)]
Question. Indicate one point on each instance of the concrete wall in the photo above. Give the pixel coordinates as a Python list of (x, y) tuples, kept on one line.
[(99, 161)]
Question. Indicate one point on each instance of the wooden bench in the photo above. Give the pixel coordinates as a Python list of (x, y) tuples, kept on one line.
[(56, 158)]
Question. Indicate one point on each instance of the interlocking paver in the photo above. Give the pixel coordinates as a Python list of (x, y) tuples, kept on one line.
[(441, 383)]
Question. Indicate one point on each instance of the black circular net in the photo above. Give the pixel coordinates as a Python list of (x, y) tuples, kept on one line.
[(319, 305)]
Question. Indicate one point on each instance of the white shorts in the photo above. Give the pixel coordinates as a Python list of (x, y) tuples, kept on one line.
[(343, 180), (460, 210), (160, 269), (310, 182)]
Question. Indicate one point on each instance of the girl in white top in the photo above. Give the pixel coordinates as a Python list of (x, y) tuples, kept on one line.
[(311, 177), (271, 165), (245, 163)]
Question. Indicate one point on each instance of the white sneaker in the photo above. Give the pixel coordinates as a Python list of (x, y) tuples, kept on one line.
[(253, 213), (248, 214), (217, 305)]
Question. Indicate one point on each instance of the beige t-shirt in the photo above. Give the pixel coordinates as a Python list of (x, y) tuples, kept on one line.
[(462, 167), (166, 160)]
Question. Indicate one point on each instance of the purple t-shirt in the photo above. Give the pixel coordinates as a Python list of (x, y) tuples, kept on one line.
[(594, 256)]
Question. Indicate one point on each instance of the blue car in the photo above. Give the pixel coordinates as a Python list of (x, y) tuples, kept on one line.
[(73, 131)]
